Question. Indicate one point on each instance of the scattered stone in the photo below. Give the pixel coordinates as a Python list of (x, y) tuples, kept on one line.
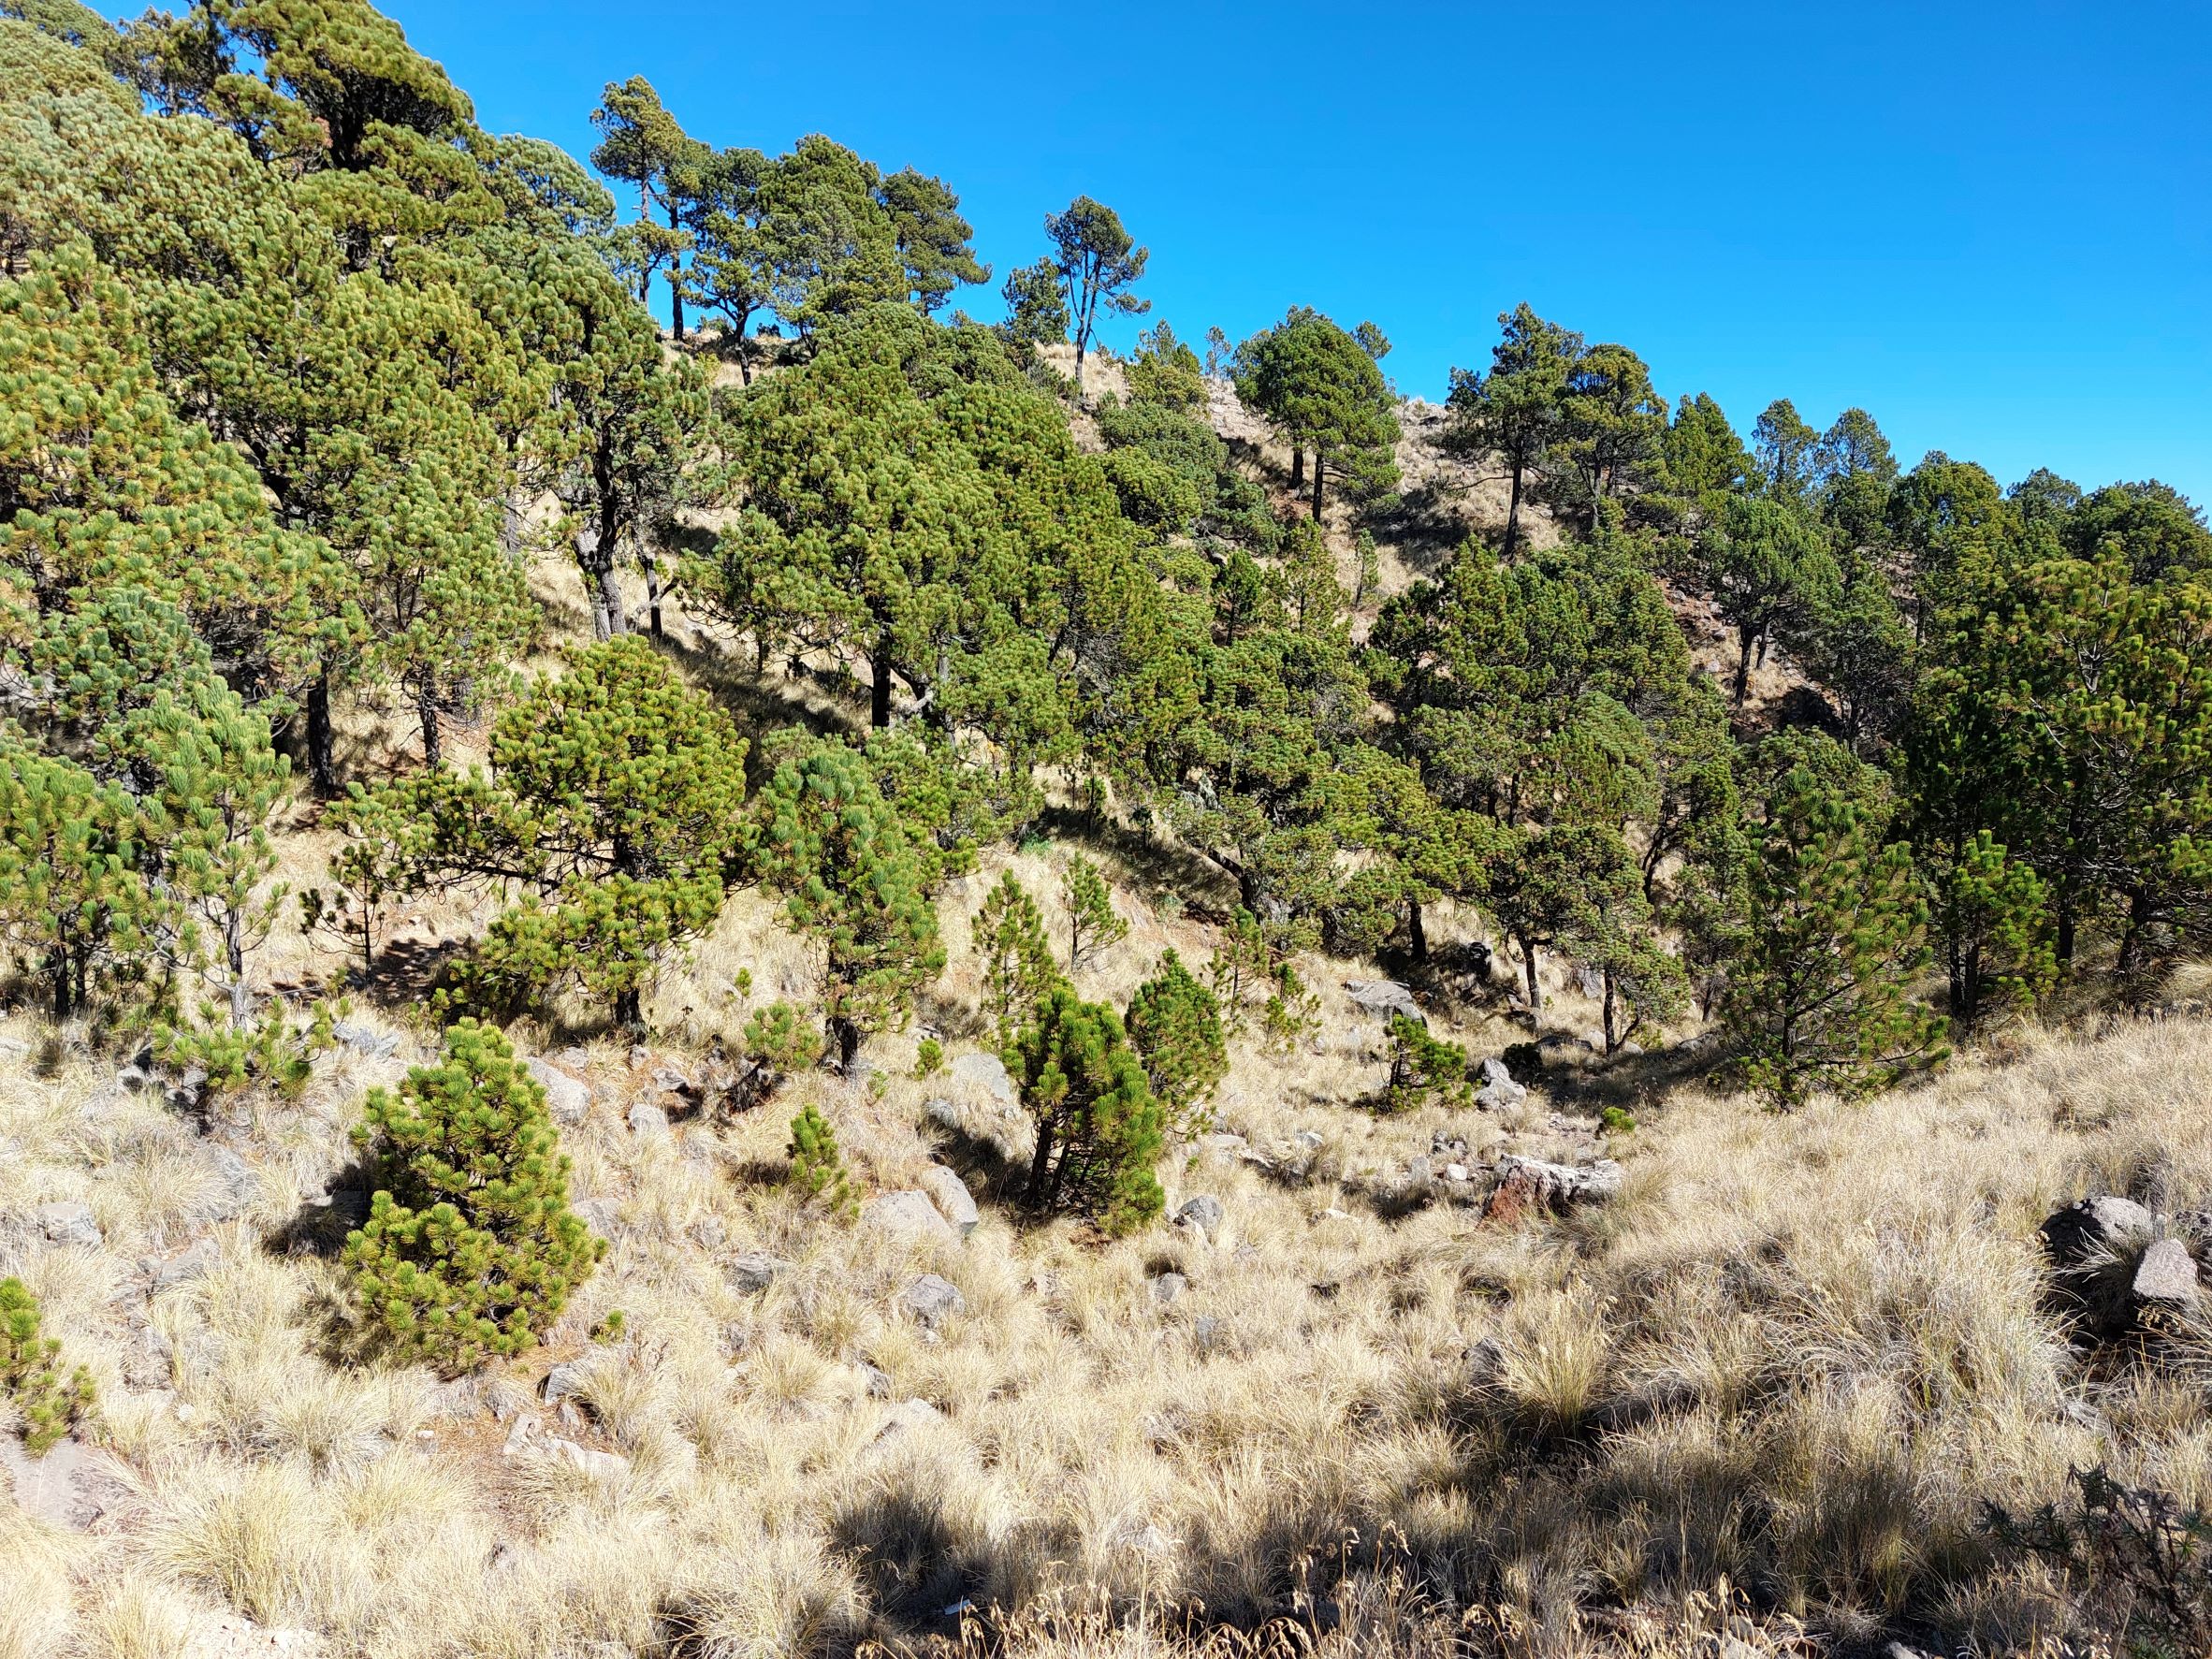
[(1204, 1213), (567, 1100), (599, 1465), (952, 1198), (932, 1300), (1591, 982), (753, 1272), (987, 1073), (2167, 1277), (1384, 999), (568, 1380), (707, 1233), (375, 1045), (1169, 1288), (190, 1263), (669, 1080), (943, 1114), (906, 1415), (1417, 1172), (1205, 1333), (2098, 1226), (647, 1122), (133, 1079), (1309, 1138), (1455, 1172), (599, 1215), (68, 1223), (909, 1217), (1498, 1089), (875, 1379)]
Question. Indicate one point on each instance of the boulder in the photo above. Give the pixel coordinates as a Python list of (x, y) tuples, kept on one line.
[(2098, 1226), (753, 1272), (909, 1217), (2167, 1277), (599, 1465), (1169, 1288), (932, 1301), (1528, 1183), (647, 1122), (186, 1265), (232, 1186), (906, 1417), (952, 1197), (71, 1486), (1384, 999), (943, 1114), (568, 1380), (1204, 1213), (567, 1100), (1498, 1087), (374, 1045), (68, 1223), (988, 1074)]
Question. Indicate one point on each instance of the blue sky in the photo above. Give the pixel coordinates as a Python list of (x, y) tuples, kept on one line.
[(1990, 226)]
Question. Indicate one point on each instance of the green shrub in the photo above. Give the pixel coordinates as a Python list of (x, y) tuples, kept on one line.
[(1422, 1068), (31, 1373), (1092, 922), (1175, 1023), (817, 1169), (278, 1052), (1097, 1124), (470, 1250), (929, 1057), (1018, 966)]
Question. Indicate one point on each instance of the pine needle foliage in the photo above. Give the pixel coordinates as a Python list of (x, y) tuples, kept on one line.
[(1175, 1023), (1093, 923), (817, 1168), (1098, 1127), (1018, 966), (470, 1250), (31, 1377)]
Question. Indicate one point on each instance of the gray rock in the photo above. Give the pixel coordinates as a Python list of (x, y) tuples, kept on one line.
[(669, 1080), (932, 1300), (1484, 1360), (134, 1079), (987, 1073), (599, 1215), (71, 1486), (1223, 1145), (568, 1380), (1384, 999), (68, 1223), (190, 1263), (1205, 1333), (1591, 982), (943, 1114), (649, 1122), (376, 1046), (232, 1186), (2097, 1225), (568, 1100), (753, 1272), (877, 1379), (1498, 1089), (952, 1197), (1169, 1288), (599, 1465), (2166, 1276), (909, 1217), (906, 1417), (1204, 1213), (1531, 1183)]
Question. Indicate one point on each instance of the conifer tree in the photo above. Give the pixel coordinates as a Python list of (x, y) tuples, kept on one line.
[(1098, 262), (817, 1169), (641, 142), (1423, 1068), (75, 903), (1516, 410), (1992, 913), (1098, 1127), (1770, 573), (1838, 929), (1613, 428), (1175, 1025), (1093, 923), (1322, 389), (31, 1377), (851, 880), (470, 1251), (1018, 966)]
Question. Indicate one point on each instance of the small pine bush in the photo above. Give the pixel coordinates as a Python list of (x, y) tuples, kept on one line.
[(1175, 1023), (817, 1169), (1092, 922), (1422, 1068), (470, 1250), (783, 1040), (1098, 1129), (1018, 966), (929, 1057), (31, 1373)]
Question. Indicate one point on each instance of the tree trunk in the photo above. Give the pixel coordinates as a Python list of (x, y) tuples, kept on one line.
[(595, 557), (234, 954), (1297, 467), (1614, 1036), (1320, 469), (629, 1010), (426, 710), (2063, 945), (1513, 512), (2134, 940), (1745, 638), (322, 768), (675, 281), (879, 687), (1416, 930), (1531, 964), (653, 591)]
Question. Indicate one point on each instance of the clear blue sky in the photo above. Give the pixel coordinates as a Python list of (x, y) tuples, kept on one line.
[(1991, 226)]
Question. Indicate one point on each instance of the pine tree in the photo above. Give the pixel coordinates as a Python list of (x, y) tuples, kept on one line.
[(1018, 966), (1099, 1129), (1993, 915), (1423, 1068), (74, 901), (816, 1170), (31, 1375), (1098, 262), (1823, 998), (851, 880), (470, 1251), (1176, 1026), (1516, 410), (1770, 573), (1323, 390), (1093, 925)]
